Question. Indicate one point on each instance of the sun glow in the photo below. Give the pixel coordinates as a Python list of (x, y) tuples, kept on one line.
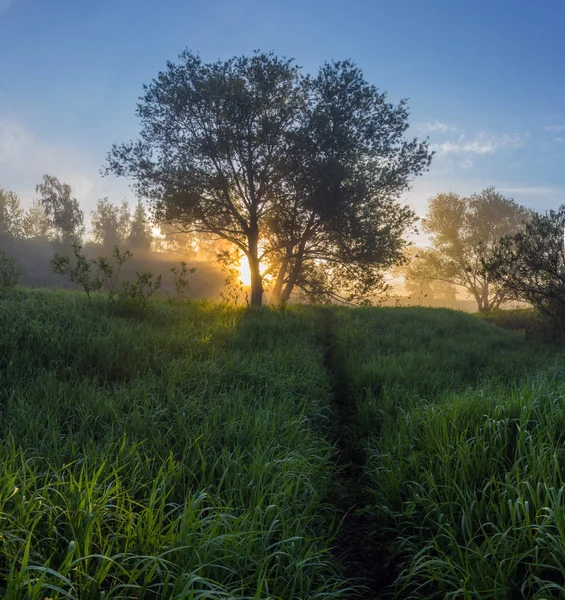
[(244, 272)]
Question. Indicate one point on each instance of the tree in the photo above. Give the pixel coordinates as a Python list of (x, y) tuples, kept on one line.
[(110, 223), (419, 282), (36, 224), (341, 225), (174, 240), (11, 215), (465, 231), (530, 265), (140, 235), (62, 209), (301, 173)]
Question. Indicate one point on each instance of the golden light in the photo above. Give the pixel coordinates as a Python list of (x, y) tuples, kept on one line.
[(244, 272)]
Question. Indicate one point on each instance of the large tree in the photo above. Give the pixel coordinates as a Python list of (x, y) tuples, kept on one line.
[(62, 208), (464, 233), (301, 173)]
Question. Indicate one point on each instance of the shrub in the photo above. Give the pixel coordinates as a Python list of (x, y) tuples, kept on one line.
[(111, 273), (78, 271), (180, 279), (9, 272), (135, 294)]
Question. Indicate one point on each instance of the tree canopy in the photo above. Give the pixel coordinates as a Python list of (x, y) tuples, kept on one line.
[(300, 174), (531, 265), (110, 223), (62, 209), (11, 215), (464, 232)]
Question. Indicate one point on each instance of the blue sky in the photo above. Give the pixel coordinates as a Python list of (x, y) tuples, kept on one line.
[(485, 80)]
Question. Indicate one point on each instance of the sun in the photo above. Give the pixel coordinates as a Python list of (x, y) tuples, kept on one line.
[(244, 272)]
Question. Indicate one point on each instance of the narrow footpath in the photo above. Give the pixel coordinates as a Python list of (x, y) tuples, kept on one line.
[(357, 549)]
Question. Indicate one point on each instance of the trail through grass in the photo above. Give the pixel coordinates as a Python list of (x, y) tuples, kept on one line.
[(462, 428), (199, 451)]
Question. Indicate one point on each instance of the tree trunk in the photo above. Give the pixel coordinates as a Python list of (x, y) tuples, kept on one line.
[(277, 289), (255, 270), (292, 278)]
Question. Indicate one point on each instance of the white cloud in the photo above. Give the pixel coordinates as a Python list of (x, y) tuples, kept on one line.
[(548, 193), (482, 143), (437, 126), (554, 128), (25, 158), (466, 163)]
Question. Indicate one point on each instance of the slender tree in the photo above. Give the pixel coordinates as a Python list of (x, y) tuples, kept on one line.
[(110, 223), (140, 234), (11, 215), (63, 210), (36, 224)]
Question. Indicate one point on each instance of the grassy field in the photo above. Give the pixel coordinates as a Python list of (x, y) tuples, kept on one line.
[(204, 451)]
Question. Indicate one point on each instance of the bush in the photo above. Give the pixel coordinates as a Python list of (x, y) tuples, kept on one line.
[(135, 294), (180, 279), (9, 272), (528, 321), (78, 271)]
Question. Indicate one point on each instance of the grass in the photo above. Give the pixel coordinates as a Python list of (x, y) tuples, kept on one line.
[(463, 427), (181, 455), (202, 451)]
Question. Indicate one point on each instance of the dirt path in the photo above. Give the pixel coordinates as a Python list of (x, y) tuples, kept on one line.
[(357, 549)]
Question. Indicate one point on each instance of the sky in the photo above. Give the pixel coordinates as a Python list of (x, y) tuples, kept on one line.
[(485, 80)]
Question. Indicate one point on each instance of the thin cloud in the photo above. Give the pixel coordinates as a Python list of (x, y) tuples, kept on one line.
[(438, 127), (25, 158), (554, 128), (481, 144)]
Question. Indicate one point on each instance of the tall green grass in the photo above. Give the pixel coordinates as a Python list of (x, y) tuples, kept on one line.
[(463, 427), (181, 454)]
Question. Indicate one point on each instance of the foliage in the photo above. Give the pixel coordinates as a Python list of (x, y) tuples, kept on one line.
[(180, 278), (174, 239), (110, 223), (78, 269), (135, 294), (465, 232), (528, 321), (301, 173), (36, 224), (66, 217), (9, 272), (140, 235), (531, 266), (109, 272), (11, 215)]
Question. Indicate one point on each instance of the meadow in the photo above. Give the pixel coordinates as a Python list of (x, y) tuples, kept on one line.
[(198, 450)]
